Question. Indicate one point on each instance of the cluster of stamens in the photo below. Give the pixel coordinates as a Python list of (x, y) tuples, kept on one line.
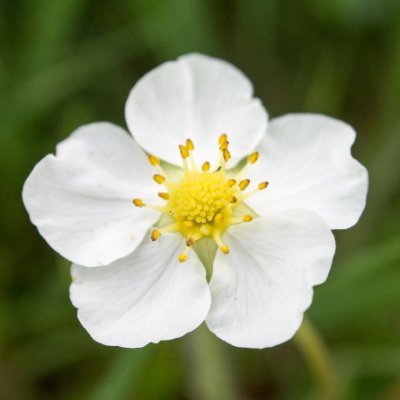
[(202, 203)]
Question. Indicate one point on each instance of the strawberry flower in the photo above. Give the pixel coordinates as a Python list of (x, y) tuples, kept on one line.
[(209, 213)]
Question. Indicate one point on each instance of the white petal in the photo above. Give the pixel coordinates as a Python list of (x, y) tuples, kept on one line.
[(196, 97), (262, 287), (146, 297), (81, 199), (307, 160)]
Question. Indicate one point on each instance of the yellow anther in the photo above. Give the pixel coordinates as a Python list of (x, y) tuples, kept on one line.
[(158, 178), (190, 242), (231, 182), (243, 184), (188, 224), (184, 151), (226, 154), (224, 145), (163, 195), (224, 249), (153, 160), (247, 218), (263, 185), (189, 145), (206, 166), (182, 257), (252, 158), (138, 202), (232, 199), (223, 138), (155, 234), (218, 218)]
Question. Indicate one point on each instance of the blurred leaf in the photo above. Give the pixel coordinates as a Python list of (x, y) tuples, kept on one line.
[(123, 375)]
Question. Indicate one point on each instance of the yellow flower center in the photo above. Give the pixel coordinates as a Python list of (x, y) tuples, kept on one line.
[(198, 198), (202, 202)]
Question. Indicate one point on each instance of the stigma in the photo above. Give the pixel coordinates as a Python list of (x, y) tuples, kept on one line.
[(202, 202)]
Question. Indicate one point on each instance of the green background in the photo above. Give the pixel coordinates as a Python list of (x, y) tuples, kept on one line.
[(64, 63)]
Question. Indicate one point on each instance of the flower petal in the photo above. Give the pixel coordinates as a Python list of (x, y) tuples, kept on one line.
[(146, 297), (196, 97), (262, 287), (307, 159), (81, 199)]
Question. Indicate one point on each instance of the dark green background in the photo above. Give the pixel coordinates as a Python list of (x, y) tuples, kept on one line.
[(64, 63)]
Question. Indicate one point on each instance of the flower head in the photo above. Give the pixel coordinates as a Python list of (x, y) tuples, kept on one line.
[(142, 219)]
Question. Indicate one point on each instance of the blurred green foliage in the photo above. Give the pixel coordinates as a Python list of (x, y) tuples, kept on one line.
[(64, 63)]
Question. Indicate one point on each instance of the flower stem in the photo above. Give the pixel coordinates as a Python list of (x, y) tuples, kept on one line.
[(210, 375), (318, 358)]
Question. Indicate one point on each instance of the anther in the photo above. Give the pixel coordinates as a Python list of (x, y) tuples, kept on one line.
[(252, 158), (263, 185), (226, 154), (206, 166), (158, 178), (224, 249), (155, 234), (153, 160), (243, 184), (231, 182), (138, 202), (232, 199), (247, 218), (189, 145), (182, 257), (223, 138), (163, 195), (184, 151), (224, 145), (189, 242)]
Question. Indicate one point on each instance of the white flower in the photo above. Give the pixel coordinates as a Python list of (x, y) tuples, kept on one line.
[(275, 244)]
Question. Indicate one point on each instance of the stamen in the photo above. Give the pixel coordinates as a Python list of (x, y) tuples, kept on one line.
[(263, 185), (183, 257), (163, 195), (153, 160), (206, 166), (247, 218), (232, 199), (252, 158), (224, 145), (190, 242), (189, 145), (159, 178), (226, 154), (224, 249), (155, 234), (243, 184), (217, 237), (260, 186), (138, 202), (184, 151), (231, 182), (223, 138)]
